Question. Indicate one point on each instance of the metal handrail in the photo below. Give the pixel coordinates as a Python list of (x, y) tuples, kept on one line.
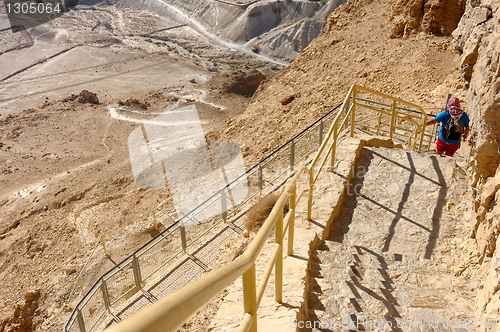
[(77, 316), (172, 311), (169, 313), (351, 112)]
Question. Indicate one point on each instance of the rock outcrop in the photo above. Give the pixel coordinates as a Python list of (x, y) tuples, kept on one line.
[(243, 83), (84, 97), (431, 16), (477, 38), (22, 320)]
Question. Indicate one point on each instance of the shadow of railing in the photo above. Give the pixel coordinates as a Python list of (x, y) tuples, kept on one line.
[(438, 210)]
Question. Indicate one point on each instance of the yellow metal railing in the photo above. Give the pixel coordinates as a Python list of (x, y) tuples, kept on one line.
[(171, 312), (348, 112)]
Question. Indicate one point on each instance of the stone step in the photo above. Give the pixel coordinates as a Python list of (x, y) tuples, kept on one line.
[(392, 250)]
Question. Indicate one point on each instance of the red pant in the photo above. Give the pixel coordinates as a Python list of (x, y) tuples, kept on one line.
[(448, 149)]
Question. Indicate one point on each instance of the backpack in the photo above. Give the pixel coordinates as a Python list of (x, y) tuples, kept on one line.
[(453, 131)]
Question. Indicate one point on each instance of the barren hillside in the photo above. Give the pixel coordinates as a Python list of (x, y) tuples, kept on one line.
[(279, 29)]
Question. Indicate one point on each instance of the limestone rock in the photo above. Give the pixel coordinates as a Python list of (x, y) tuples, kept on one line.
[(88, 97), (472, 17), (475, 37), (430, 16), (135, 103), (84, 97), (22, 320), (488, 300), (469, 56), (489, 190)]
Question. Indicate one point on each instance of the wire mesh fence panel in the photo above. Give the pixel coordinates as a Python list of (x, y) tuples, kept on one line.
[(253, 181), (96, 266), (121, 284), (217, 220), (93, 309), (165, 216), (306, 143), (223, 203), (126, 240), (271, 173), (175, 277), (73, 326), (153, 256), (215, 236)]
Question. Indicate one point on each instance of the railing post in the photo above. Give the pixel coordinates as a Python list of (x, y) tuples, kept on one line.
[(431, 137), (423, 133), (154, 219), (278, 267), (183, 238), (310, 197), (353, 114), (250, 295), (104, 246), (347, 107), (291, 226), (393, 118), (379, 123), (321, 132), (334, 148), (81, 323), (137, 272), (105, 295), (260, 178), (292, 155), (223, 203), (81, 285), (415, 140)]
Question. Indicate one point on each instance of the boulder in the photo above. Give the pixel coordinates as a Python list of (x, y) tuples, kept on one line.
[(23, 318), (88, 97), (243, 83)]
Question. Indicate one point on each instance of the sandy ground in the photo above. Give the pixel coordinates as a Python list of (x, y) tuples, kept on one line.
[(59, 159)]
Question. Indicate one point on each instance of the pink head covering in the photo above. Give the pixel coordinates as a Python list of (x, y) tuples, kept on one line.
[(453, 108)]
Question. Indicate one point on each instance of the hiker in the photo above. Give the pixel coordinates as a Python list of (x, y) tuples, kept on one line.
[(454, 127)]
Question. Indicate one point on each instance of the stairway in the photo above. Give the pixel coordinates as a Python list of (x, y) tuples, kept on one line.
[(388, 263)]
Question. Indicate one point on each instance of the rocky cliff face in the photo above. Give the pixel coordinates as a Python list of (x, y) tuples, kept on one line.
[(353, 48), (478, 40), (430, 16)]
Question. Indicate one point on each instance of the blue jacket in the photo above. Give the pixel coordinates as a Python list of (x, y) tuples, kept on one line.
[(443, 118)]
